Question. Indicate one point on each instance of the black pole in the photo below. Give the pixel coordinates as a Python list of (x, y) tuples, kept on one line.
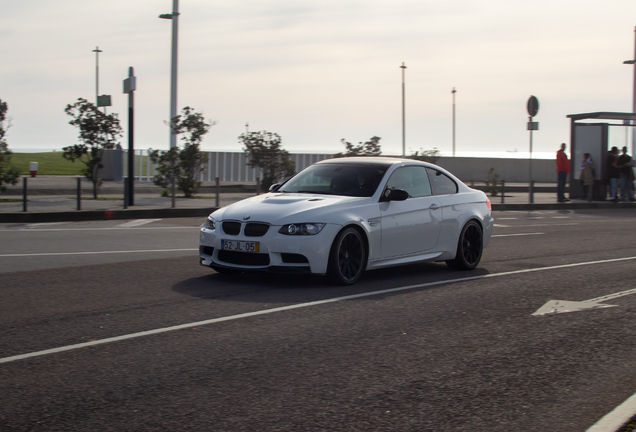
[(503, 191), (24, 194), (125, 192), (79, 193), (218, 191), (531, 191), (131, 146), (130, 85)]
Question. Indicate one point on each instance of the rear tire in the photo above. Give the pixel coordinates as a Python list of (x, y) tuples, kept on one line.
[(469, 247), (347, 259)]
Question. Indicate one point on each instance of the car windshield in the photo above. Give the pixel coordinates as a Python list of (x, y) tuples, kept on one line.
[(336, 179)]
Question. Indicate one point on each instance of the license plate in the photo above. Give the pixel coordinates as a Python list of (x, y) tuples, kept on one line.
[(240, 246)]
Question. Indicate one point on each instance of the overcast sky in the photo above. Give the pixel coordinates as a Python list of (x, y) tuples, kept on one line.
[(318, 71)]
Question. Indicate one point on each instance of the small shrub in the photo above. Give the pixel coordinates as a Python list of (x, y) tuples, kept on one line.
[(492, 182)]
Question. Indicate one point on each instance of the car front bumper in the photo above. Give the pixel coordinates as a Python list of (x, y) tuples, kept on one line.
[(278, 253)]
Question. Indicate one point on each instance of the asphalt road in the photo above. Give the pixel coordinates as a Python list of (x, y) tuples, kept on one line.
[(118, 328)]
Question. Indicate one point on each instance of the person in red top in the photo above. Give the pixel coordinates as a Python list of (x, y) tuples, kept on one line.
[(563, 168)]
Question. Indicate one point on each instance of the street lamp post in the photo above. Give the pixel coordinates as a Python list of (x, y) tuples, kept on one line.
[(96, 51), (403, 67), (453, 93), (633, 62), (174, 16)]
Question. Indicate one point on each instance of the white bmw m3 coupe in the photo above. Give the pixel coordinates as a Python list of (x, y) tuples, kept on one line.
[(340, 217)]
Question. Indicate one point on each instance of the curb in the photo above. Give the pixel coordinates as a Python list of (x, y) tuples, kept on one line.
[(165, 213), (94, 215), (564, 206)]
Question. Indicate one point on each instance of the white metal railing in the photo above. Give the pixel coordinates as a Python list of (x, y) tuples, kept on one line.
[(227, 166)]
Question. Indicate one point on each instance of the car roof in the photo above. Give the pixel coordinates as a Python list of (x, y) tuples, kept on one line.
[(366, 160)]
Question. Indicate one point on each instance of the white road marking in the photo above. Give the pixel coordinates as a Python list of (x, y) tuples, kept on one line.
[(47, 224), (615, 419), (292, 307), (501, 226), (103, 229), (561, 306), (514, 235), (95, 253), (560, 217), (136, 223), (500, 218)]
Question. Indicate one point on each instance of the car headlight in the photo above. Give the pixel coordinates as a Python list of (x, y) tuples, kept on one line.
[(210, 224), (302, 229)]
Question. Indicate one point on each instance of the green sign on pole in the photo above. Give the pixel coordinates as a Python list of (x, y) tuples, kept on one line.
[(103, 101)]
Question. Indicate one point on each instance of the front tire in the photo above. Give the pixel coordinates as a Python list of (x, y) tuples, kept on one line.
[(347, 258), (469, 247)]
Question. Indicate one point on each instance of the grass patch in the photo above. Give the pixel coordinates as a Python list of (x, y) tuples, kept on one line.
[(11, 200), (49, 163)]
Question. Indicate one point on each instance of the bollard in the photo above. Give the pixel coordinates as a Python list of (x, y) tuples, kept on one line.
[(24, 194), (531, 190), (125, 192), (503, 191), (79, 193), (218, 191), (258, 185), (33, 168)]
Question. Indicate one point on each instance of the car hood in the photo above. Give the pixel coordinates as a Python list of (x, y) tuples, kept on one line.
[(280, 209)]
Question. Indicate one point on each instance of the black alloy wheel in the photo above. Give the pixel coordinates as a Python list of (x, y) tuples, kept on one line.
[(469, 247), (347, 258)]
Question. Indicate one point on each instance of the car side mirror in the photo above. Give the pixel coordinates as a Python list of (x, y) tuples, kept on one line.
[(394, 195), (274, 187)]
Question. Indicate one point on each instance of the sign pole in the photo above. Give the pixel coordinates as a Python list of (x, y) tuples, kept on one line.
[(533, 109), (130, 85)]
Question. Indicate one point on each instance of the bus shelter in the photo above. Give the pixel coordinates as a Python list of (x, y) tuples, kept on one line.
[(596, 133)]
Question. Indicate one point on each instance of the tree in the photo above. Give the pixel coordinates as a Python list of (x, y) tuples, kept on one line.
[(97, 132), (8, 174), (264, 151), (426, 155), (369, 148), (183, 165)]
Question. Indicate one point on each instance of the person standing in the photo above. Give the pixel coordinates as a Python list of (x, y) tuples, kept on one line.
[(587, 176), (563, 168), (625, 165), (613, 174)]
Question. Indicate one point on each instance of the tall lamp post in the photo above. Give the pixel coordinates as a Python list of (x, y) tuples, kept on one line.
[(633, 62), (403, 67), (453, 93), (174, 16), (96, 51)]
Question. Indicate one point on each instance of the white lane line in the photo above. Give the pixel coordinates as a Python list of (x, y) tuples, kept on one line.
[(137, 223), (500, 218), (514, 235), (501, 226), (291, 307), (96, 253), (616, 418)]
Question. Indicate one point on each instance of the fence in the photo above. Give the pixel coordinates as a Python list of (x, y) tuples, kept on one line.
[(227, 166), (232, 166)]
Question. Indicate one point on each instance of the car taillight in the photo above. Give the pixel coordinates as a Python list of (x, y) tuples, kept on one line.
[(488, 204)]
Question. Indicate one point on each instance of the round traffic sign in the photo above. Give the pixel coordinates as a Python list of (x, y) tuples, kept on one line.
[(533, 106)]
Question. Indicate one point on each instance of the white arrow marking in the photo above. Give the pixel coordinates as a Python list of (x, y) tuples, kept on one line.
[(561, 306)]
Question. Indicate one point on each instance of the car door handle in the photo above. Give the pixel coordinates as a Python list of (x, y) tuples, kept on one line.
[(434, 206)]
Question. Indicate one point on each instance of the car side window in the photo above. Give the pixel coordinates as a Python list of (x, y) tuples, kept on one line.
[(412, 179), (442, 184)]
